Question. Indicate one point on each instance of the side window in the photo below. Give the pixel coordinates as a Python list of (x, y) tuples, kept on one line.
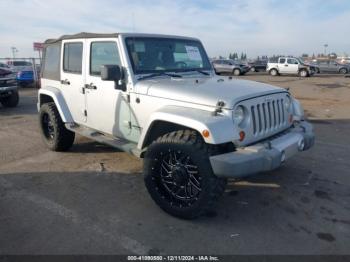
[(282, 60), (51, 65), (103, 53), (292, 61), (72, 57)]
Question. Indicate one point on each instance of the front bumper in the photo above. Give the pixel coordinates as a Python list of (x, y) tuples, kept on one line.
[(266, 155), (7, 89)]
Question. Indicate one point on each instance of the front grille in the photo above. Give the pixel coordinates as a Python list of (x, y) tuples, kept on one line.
[(268, 116)]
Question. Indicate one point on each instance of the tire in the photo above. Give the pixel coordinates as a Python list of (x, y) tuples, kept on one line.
[(253, 69), (11, 100), (343, 71), (236, 72), (54, 133), (303, 73), (179, 177), (273, 72)]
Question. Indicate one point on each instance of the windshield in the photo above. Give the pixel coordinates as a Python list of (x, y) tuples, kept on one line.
[(21, 63), (301, 61), (154, 55)]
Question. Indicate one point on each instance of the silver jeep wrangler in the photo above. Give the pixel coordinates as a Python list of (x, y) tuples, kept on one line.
[(158, 98)]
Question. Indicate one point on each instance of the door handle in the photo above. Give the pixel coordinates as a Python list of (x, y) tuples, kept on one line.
[(285, 65), (90, 86), (65, 82)]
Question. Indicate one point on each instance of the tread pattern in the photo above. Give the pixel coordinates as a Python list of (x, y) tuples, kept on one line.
[(10, 101), (63, 138), (216, 184)]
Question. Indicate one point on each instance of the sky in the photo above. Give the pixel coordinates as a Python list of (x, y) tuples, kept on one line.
[(255, 27)]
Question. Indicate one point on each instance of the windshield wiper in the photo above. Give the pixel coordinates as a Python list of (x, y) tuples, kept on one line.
[(159, 74), (197, 70)]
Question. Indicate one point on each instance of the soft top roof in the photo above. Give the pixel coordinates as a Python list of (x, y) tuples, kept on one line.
[(80, 35), (112, 35)]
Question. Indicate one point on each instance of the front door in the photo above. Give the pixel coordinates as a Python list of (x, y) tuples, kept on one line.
[(73, 78), (293, 66), (107, 108)]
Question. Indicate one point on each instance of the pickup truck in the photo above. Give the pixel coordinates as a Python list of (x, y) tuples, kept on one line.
[(8, 88), (158, 98), (290, 66)]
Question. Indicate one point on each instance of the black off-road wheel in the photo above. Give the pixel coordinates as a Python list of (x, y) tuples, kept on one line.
[(179, 177), (54, 133), (10, 101)]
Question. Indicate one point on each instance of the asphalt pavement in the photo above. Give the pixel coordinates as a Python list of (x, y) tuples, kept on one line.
[(92, 200)]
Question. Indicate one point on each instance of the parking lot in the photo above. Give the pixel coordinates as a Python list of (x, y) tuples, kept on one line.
[(92, 200)]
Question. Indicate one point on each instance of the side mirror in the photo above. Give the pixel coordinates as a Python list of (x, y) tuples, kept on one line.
[(111, 73)]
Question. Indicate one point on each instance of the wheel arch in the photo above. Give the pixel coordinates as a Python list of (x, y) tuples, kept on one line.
[(273, 68), (52, 94), (186, 118), (159, 128)]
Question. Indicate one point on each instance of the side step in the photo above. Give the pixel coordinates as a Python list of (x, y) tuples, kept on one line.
[(118, 143)]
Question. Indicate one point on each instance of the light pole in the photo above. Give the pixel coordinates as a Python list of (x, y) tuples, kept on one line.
[(325, 49), (14, 51)]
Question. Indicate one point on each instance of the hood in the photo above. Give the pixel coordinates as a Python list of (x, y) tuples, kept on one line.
[(205, 90)]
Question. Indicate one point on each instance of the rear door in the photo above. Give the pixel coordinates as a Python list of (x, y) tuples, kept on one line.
[(73, 78), (282, 66), (219, 66), (324, 66)]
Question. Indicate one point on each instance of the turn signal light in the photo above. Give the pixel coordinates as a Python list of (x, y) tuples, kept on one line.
[(241, 136), (205, 133)]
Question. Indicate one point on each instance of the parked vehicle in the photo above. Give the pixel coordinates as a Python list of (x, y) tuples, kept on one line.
[(230, 66), (4, 66), (25, 78), (8, 89), (19, 65), (157, 97), (258, 65), (332, 67), (345, 60), (291, 66)]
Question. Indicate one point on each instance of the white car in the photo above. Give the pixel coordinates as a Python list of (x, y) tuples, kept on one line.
[(157, 97), (289, 66)]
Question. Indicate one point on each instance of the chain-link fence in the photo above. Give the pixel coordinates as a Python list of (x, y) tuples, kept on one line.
[(27, 69)]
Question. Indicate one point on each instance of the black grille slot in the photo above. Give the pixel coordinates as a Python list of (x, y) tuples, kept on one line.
[(274, 114), (265, 119), (253, 120)]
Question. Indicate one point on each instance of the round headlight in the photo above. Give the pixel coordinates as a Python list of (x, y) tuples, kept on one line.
[(287, 103), (238, 115)]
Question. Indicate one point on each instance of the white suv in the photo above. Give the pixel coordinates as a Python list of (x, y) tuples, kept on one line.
[(157, 97), (289, 66)]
